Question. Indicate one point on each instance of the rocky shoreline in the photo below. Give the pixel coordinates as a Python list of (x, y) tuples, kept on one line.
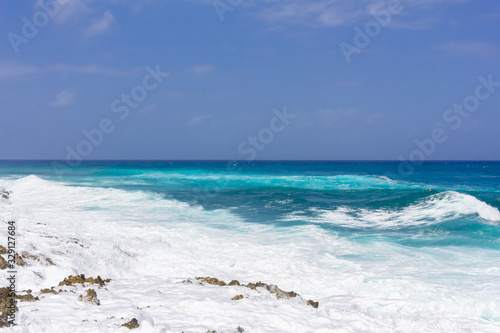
[(94, 284), (89, 290), (90, 296), (272, 288)]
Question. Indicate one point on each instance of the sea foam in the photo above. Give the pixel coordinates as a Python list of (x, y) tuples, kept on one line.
[(148, 244)]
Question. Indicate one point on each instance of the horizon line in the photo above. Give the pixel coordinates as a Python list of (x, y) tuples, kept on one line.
[(233, 160)]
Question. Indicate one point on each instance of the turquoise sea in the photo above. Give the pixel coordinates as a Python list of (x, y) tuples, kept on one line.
[(396, 248), (440, 204)]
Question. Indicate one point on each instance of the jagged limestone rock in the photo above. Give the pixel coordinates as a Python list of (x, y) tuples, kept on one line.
[(7, 306), (19, 260), (90, 297), (28, 297), (272, 288), (313, 303), (72, 279), (209, 280), (48, 291), (133, 323), (39, 258), (3, 263), (5, 194)]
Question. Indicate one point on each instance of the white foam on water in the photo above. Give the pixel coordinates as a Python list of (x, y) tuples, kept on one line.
[(434, 209), (148, 245)]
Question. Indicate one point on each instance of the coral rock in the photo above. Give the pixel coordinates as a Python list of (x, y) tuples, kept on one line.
[(72, 279), (3, 263), (19, 260), (7, 306), (48, 291), (214, 281), (313, 303), (91, 297), (131, 324)]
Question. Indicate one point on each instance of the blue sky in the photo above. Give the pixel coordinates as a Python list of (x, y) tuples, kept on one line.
[(229, 79)]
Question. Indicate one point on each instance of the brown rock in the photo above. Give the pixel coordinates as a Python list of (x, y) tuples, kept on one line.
[(40, 258), (210, 280), (3, 250), (7, 306), (72, 279), (133, 323), (48, 291), (3, 263), (98, 280), (19, 260), (28, 297), (272, 288), (313, 303), (90, 297)]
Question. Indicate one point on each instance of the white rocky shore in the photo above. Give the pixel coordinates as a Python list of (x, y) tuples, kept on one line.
[(59, 286)]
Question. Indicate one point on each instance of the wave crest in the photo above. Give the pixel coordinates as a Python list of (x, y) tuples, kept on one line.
[(434, 209)]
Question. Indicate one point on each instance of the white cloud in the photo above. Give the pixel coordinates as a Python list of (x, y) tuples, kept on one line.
[(14, 69), (471, 48), (315, 12), (326, 13), (63, 99), (100, 26), (68, 10), (202, 69), (81, 13)]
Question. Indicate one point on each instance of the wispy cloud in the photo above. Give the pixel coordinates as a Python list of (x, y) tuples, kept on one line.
[(202, 69), (15, 69), (328, 13), (199, 119), (85, 15), (100, 26), (63, 99), (471, 48), (316, 12), (69, 11)]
